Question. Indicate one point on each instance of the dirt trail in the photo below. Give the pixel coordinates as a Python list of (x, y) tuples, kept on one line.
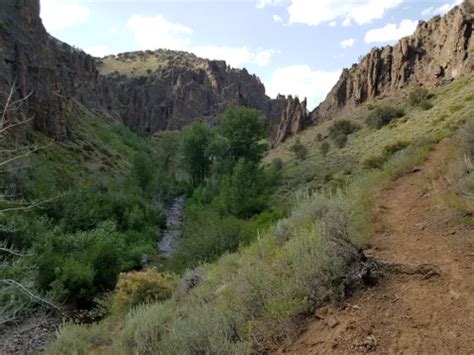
[(408, 314)]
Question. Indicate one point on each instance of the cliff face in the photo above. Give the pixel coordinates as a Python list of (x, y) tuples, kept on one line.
[(440, 50), (166, 89), (147, 91)]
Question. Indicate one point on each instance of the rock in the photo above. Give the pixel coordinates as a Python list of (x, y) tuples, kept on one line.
[(331, 321)]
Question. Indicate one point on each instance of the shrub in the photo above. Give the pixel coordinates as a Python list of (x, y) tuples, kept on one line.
[(277, 164), (375, 162), (324, 148), (426, 105), (140, 287), (342, 127), (77, 339), (299, 150), (340, 141), (383, 115), (417, 96), (319, 137)]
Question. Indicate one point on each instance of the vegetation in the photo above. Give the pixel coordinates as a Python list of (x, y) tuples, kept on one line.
[(299, 150), (383, 115)]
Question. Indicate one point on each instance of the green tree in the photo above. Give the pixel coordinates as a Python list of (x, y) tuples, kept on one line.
[(196, 141), (241, 132), (143, 170)]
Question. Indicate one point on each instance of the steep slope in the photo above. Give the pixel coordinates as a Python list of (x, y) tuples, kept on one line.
[(148, 91), (427, 309), (441, 50)]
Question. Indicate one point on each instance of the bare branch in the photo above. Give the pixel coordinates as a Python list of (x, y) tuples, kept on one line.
[(7, 105), (31, 205), (24, 155), (13, 252), (3, 130), (27, 292)]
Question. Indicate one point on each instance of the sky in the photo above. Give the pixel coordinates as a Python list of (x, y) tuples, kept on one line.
[(296, 47)]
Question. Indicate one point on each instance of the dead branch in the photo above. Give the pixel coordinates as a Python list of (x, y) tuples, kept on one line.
[(27, 292)]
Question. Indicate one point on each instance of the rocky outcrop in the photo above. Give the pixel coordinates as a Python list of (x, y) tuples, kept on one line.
[(293, 118), (176, 88), (147, 91), (440, 50)]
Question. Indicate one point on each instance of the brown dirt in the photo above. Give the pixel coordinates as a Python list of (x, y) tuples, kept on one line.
[(408, 313)]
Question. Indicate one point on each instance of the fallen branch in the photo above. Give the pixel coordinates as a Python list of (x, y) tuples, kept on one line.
[(427, 270), (27, 292)]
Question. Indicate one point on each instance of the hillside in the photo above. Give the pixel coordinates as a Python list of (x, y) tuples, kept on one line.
[(155, 202)]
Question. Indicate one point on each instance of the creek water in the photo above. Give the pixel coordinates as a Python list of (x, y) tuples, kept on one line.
[(174, 228)]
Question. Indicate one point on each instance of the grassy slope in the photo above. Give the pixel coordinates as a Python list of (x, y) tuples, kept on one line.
[(452, 105)]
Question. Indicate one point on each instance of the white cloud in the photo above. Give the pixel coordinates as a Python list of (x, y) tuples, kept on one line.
[(347, 22), (315, 12), (235, 56), (98, 51), (442, 10), (332, 24), (391, 32), (153, 32), (347, 43), (302, 81), (277, 18), (264, 3), (114, 30), (57, 14)]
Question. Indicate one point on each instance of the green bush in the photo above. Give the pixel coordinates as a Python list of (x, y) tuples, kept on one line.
[(342, 128), (324, 148), (299, 149), (426, 105), (340, 141), (383, 115), (417, 96)]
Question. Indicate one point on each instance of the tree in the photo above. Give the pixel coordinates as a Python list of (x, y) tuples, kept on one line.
[(196, 141), (242, 131)]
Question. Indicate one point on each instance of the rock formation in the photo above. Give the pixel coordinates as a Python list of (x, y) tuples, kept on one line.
[(440, 50), (148, 91)]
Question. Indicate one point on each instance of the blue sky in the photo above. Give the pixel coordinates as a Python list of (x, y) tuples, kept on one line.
[(296, 47)]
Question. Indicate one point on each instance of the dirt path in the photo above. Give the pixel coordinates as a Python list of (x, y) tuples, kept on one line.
[(408, 314)]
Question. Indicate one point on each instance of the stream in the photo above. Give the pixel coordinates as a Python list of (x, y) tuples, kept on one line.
[(174, 228)]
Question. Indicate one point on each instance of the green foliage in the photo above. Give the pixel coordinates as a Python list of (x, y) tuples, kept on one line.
[(342, 127), (196, 141), (383, 115), (417, 96), (241, 132), (277, 164), (78, 339), (378, 161), (324, 148), (339, 131), (426, 105), (299, 149), (340, 140), (208, 235), (142, 170)]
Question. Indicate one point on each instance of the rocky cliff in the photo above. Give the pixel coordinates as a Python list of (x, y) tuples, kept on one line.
[(440, 50), (148, 91)]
